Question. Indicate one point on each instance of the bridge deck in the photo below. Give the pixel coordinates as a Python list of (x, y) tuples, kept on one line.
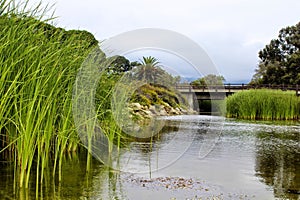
[(232, 88)]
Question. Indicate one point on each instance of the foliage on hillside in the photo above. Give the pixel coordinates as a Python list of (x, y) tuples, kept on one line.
[(151, 94)]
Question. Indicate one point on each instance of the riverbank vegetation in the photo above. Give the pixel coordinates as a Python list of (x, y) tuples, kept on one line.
[(152, 100), (279, 65), (157, 94), (151, 94), (264, 104), (39, 64)]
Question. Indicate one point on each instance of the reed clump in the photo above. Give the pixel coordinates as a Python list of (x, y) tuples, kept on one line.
[(38, 67), (264, 104)]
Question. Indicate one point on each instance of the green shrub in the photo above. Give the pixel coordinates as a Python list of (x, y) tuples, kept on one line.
[(150, 94)]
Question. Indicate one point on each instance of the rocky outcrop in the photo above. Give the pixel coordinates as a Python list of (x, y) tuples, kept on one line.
[(139, 111)]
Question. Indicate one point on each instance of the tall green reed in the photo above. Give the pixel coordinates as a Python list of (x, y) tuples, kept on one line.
[(38, 67), (264, 104)]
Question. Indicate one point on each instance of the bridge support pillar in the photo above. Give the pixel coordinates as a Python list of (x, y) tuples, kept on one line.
[(190, 97)]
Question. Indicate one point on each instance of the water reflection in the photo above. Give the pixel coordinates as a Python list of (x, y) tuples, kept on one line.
[(278, 162), (253, 159), (101, 183)]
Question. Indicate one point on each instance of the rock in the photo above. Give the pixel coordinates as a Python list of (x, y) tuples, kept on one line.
[(141, 112), (161, 110), (148, 113), (184, 112), (136, 106), (174, 111), (153, 110)]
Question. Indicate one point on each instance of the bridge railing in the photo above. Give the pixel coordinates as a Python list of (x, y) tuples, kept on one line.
[(232, 87)]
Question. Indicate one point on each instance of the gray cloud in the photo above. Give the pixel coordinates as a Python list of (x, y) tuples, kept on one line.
[(231, 31)]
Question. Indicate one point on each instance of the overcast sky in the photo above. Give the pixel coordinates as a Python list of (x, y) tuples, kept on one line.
[(230, 31)]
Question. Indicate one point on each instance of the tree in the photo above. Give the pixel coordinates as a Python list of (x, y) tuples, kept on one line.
[(280, 60), (148, 69), (210, 79), (119, 65)]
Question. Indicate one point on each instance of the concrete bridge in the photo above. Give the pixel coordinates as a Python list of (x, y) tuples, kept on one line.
[(219, 92)]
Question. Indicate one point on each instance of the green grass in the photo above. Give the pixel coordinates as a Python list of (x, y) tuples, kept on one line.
[(39, 63), (264, 104)]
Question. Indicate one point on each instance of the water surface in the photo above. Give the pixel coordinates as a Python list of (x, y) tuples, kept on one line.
[(192, 157)]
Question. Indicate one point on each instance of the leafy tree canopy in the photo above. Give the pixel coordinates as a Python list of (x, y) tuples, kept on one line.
[(119, 65), (210, 79), (280, 60)]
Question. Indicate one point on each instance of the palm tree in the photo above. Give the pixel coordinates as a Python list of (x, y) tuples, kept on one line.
[(148, 70), (152, 61)]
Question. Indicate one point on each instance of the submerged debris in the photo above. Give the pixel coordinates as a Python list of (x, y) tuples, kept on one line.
[(190, 188), (171, 183)]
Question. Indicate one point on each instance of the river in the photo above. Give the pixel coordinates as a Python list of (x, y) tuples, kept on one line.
[(193, 157)]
